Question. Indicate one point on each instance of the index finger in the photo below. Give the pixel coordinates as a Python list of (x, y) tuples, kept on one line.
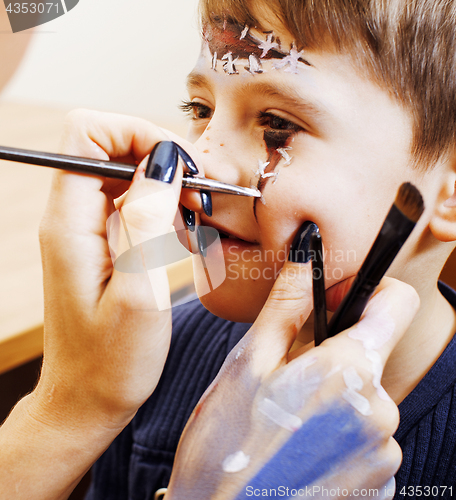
[(108, 135), (386, 319)]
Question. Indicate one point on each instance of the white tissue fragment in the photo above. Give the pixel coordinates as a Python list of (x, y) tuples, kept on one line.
[(291, 61), (284, 154), (214, 61), (229, 66), (254, 64), (268, 45), (244, 32)]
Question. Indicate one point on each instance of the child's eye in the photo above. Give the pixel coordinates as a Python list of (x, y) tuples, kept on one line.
[(196, 110), (275, 122)]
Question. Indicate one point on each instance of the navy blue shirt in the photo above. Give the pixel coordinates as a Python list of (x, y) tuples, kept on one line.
[(139, 461)]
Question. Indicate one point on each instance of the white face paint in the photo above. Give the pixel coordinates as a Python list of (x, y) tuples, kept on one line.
[(279, 416), (376, 328), (236, 462), (374, 331), (377, 369), (354, 384), (296, 386), (240, 352)]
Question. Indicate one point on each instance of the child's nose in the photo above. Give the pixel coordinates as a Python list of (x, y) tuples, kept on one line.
[(223, 156)]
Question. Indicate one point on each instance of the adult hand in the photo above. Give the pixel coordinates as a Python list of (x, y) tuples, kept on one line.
[(317, 418), (107, 332)]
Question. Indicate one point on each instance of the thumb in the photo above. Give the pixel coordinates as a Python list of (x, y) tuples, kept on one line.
[(289, 303), (142, 227)]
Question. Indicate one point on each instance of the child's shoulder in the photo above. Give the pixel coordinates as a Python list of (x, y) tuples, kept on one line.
[(448, 293), (427, 432)]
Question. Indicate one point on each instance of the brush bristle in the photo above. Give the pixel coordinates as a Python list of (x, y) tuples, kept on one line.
[(409, 201)]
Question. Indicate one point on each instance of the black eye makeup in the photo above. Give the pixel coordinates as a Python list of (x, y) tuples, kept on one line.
[(277, 123), (196, 110)]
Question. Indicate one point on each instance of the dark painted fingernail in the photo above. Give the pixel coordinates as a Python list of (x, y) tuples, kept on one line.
[(206, 201), (189, 218), (192, 170), (162, 162), (202, 242), (300, 248)]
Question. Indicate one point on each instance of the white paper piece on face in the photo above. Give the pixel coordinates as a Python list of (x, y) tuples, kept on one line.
[(268, 45), (230, 65)]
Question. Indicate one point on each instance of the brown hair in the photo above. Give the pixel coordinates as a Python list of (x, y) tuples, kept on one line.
[(408, 47)]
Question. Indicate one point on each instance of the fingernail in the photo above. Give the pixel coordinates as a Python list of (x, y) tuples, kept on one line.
[(202, 242), (162, 162), (187, 160), (206, 201), (189, 218), (300, 248)]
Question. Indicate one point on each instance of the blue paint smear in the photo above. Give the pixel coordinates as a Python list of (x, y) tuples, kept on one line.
[(319, 445)]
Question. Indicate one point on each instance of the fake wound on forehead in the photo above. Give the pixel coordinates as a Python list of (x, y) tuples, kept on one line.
[(231, 41)]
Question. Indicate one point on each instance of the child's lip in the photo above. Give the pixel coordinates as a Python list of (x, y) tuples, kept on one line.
[(227, 233)]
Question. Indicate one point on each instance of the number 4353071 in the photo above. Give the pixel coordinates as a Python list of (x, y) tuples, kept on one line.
[(32, 8)]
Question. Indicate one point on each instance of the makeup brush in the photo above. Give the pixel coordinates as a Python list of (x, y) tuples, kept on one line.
[(113, 170), (399, 223)]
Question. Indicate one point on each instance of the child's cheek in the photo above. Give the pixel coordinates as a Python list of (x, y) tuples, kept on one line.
[(291, 200)]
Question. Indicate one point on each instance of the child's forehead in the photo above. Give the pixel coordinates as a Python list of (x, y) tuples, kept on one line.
[(230, 41), (243, 39)]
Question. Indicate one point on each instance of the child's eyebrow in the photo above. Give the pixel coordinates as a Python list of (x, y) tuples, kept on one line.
[(195, 80), (287, 94)]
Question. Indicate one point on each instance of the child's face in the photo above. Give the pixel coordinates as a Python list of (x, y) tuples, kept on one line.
[(337, 146)]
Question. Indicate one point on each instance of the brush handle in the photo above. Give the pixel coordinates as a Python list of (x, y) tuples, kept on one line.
[(113, 170), (70, 163), (393, 234)]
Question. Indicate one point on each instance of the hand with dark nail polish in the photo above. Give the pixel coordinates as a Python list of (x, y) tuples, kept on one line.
[(202, 241), (300, 248), (206, 201), (189, 218), (163, 162), (192, 169)]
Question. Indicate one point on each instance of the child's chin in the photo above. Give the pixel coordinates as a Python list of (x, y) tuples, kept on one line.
[(227, 304)]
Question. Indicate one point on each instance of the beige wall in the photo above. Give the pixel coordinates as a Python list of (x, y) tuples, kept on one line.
[(127, 56)]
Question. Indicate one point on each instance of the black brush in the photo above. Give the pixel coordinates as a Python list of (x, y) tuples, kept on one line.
[(399, 223)]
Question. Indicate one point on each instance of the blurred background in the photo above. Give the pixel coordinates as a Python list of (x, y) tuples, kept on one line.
[(112, 55)]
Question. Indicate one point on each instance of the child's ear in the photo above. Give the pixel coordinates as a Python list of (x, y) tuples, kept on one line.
[(443, 221)]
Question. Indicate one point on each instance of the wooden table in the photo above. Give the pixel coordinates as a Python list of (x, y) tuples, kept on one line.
[(23, 194)]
